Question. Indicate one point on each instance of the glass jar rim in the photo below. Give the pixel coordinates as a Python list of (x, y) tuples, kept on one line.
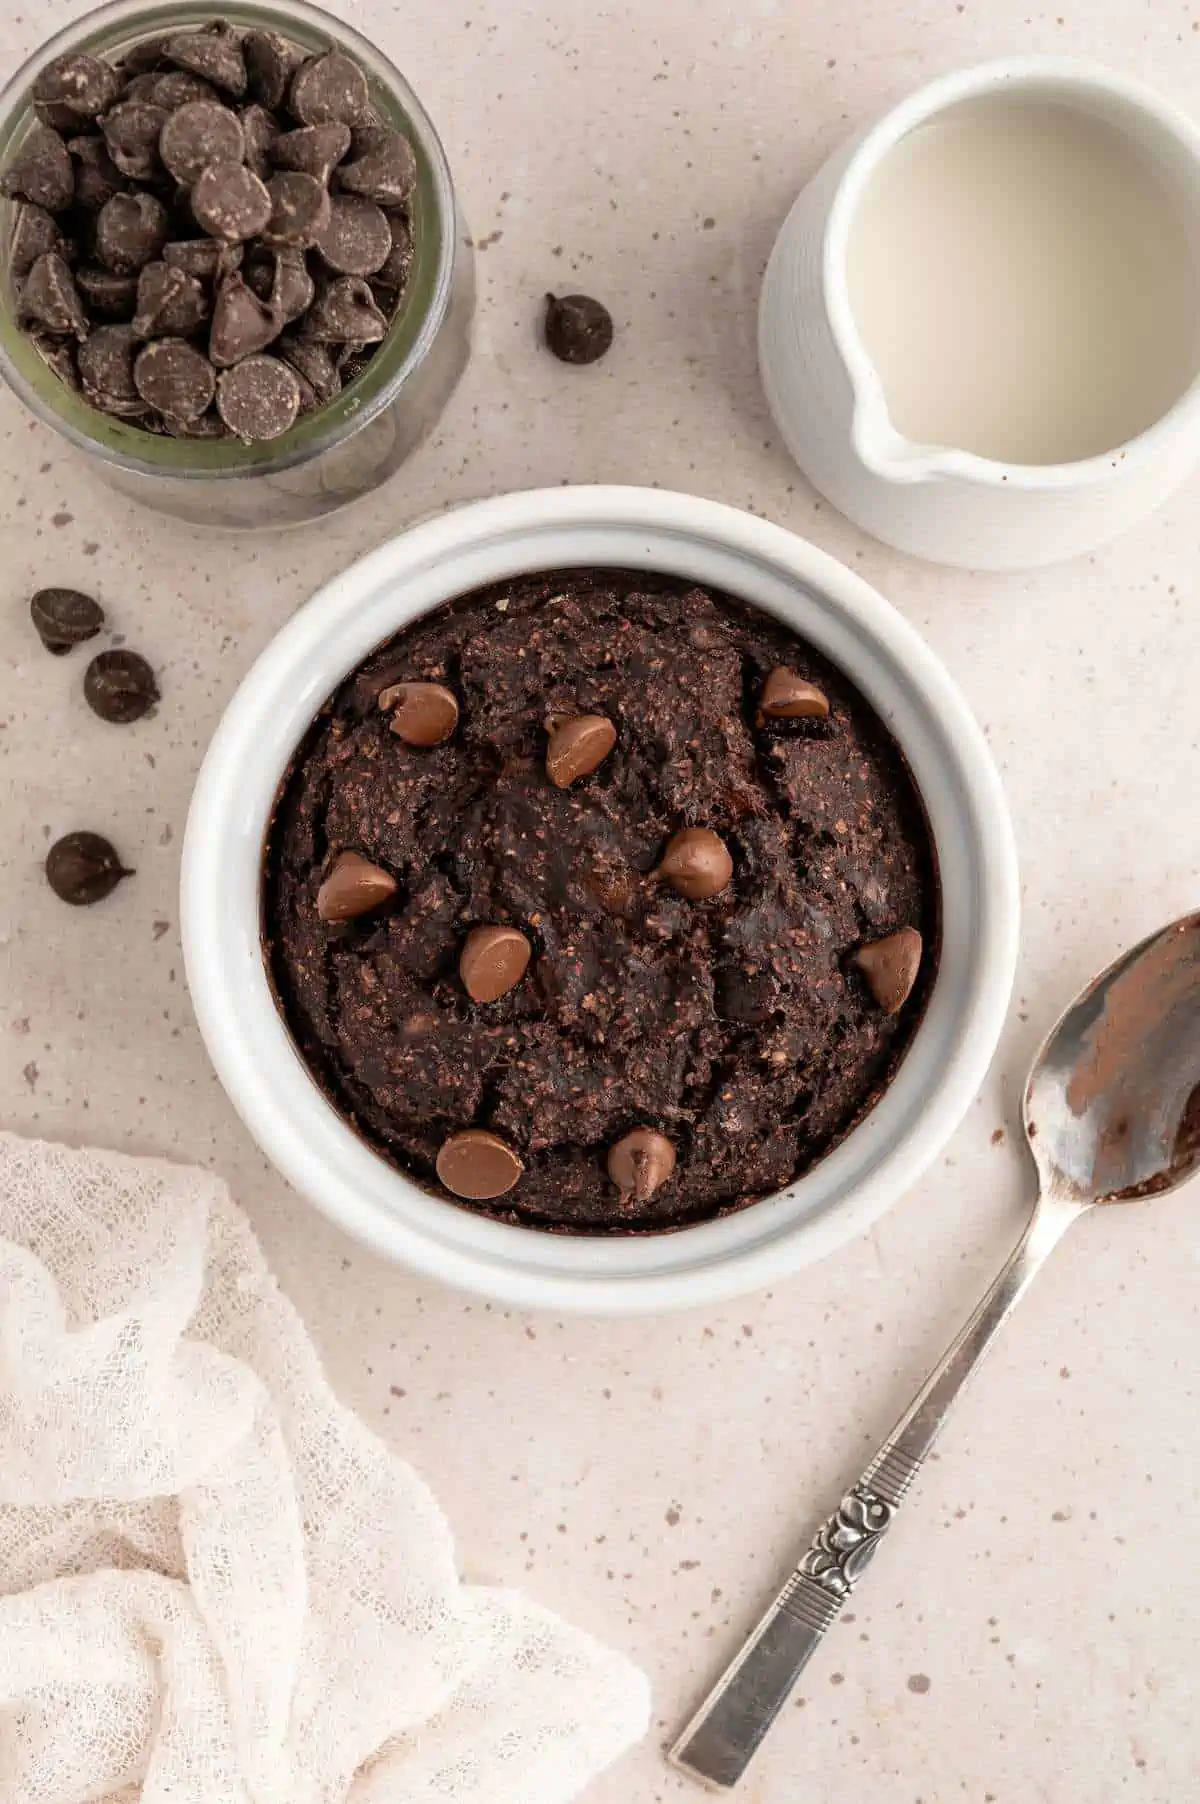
[(122, 23)]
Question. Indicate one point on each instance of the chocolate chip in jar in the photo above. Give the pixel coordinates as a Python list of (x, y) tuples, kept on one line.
[(260, 134), (345, 311), (385, 172), (108, 297), (242, 324), (199, 134), (169, 303), (83, 868), (203, 258), (34, 233), (41, 171), (120, 686), (356, 239), (300, 211), (97, 177), (175, 378), (259, 398), (577, 328), (106, 360), (314, 150), (58, 355), (132, 131), (83, 85), (329, 87), (230, 203), (215, 53), (50, 298), (63, 618), (131, 231), (270, 61)]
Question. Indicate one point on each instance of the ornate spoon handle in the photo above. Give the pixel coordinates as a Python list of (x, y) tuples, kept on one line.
[(717, 1745)]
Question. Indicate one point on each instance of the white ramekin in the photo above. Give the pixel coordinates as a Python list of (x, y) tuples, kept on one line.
[(631, 528)]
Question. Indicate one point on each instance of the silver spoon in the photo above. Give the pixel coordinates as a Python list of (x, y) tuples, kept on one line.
[(1112, 1114)]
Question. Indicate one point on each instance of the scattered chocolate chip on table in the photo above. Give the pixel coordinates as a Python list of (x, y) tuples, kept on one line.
[(577, 328), (82, 868), (144, 187), (120, 686), (64, 618)]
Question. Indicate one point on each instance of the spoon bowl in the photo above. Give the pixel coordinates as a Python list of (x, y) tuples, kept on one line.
[(1112, 1106)]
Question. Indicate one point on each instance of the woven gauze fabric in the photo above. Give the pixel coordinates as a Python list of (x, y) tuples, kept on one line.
[(216, 1585)]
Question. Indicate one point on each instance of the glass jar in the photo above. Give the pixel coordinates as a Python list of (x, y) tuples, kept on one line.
[(339, 451)]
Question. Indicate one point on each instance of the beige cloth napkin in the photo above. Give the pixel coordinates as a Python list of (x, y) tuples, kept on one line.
[(216, 1585)]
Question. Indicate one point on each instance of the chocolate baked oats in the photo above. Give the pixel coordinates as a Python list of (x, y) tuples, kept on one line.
[(600, 902)]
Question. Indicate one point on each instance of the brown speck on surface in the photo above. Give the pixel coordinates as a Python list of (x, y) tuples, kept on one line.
[(31, 1074), (673, 1517), (1064, 1371), (61, 518), (21, 1025), (919, 1682), (397, 1391), (837, 1678), (159, 928), (998, 1136), (1060, 1515)]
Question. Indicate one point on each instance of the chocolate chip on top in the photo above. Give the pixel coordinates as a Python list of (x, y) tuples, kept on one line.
[(640, 1163), (697, 864), (493, 961), (786, 696), (890, 966), (423, 714), (578, 745), (183, 159), (478, 1166), (353, 887)]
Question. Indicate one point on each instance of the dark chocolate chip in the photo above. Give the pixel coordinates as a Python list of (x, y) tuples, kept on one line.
[(230, 202), (41, 171), (578, 745), (293, 289), (300, 210), (493, 961), (386, 174), (84, 84), (578, 329), (394, 270), (209, 426), (106, 371), (34, 233), (353, 887), (271, 61), (169, 302), (179, 88), (356, 240), (132, 131), (641, 1163), (214, 53), (176, 378), (50, 298), (697, 864), (329, 87), (140, 59), (241, 325), (131, 230), (890, 967), (423, 714), (259, 398), (314, 150), (109, 297), (58, 355), (199, 134), (260, 133), (345, 310), (59, 118), (478, 1165), (120, 686), (97, 177), (203, 258), (83, 868), (65, 617), (312, 362), (141, 86)]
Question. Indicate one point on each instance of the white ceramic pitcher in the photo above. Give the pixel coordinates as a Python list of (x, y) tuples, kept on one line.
[(934, 501)]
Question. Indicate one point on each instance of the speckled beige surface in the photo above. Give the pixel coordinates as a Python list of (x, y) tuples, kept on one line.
[(1030, 1632)]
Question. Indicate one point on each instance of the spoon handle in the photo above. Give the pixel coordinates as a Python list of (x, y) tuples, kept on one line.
[(717, 1744)]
